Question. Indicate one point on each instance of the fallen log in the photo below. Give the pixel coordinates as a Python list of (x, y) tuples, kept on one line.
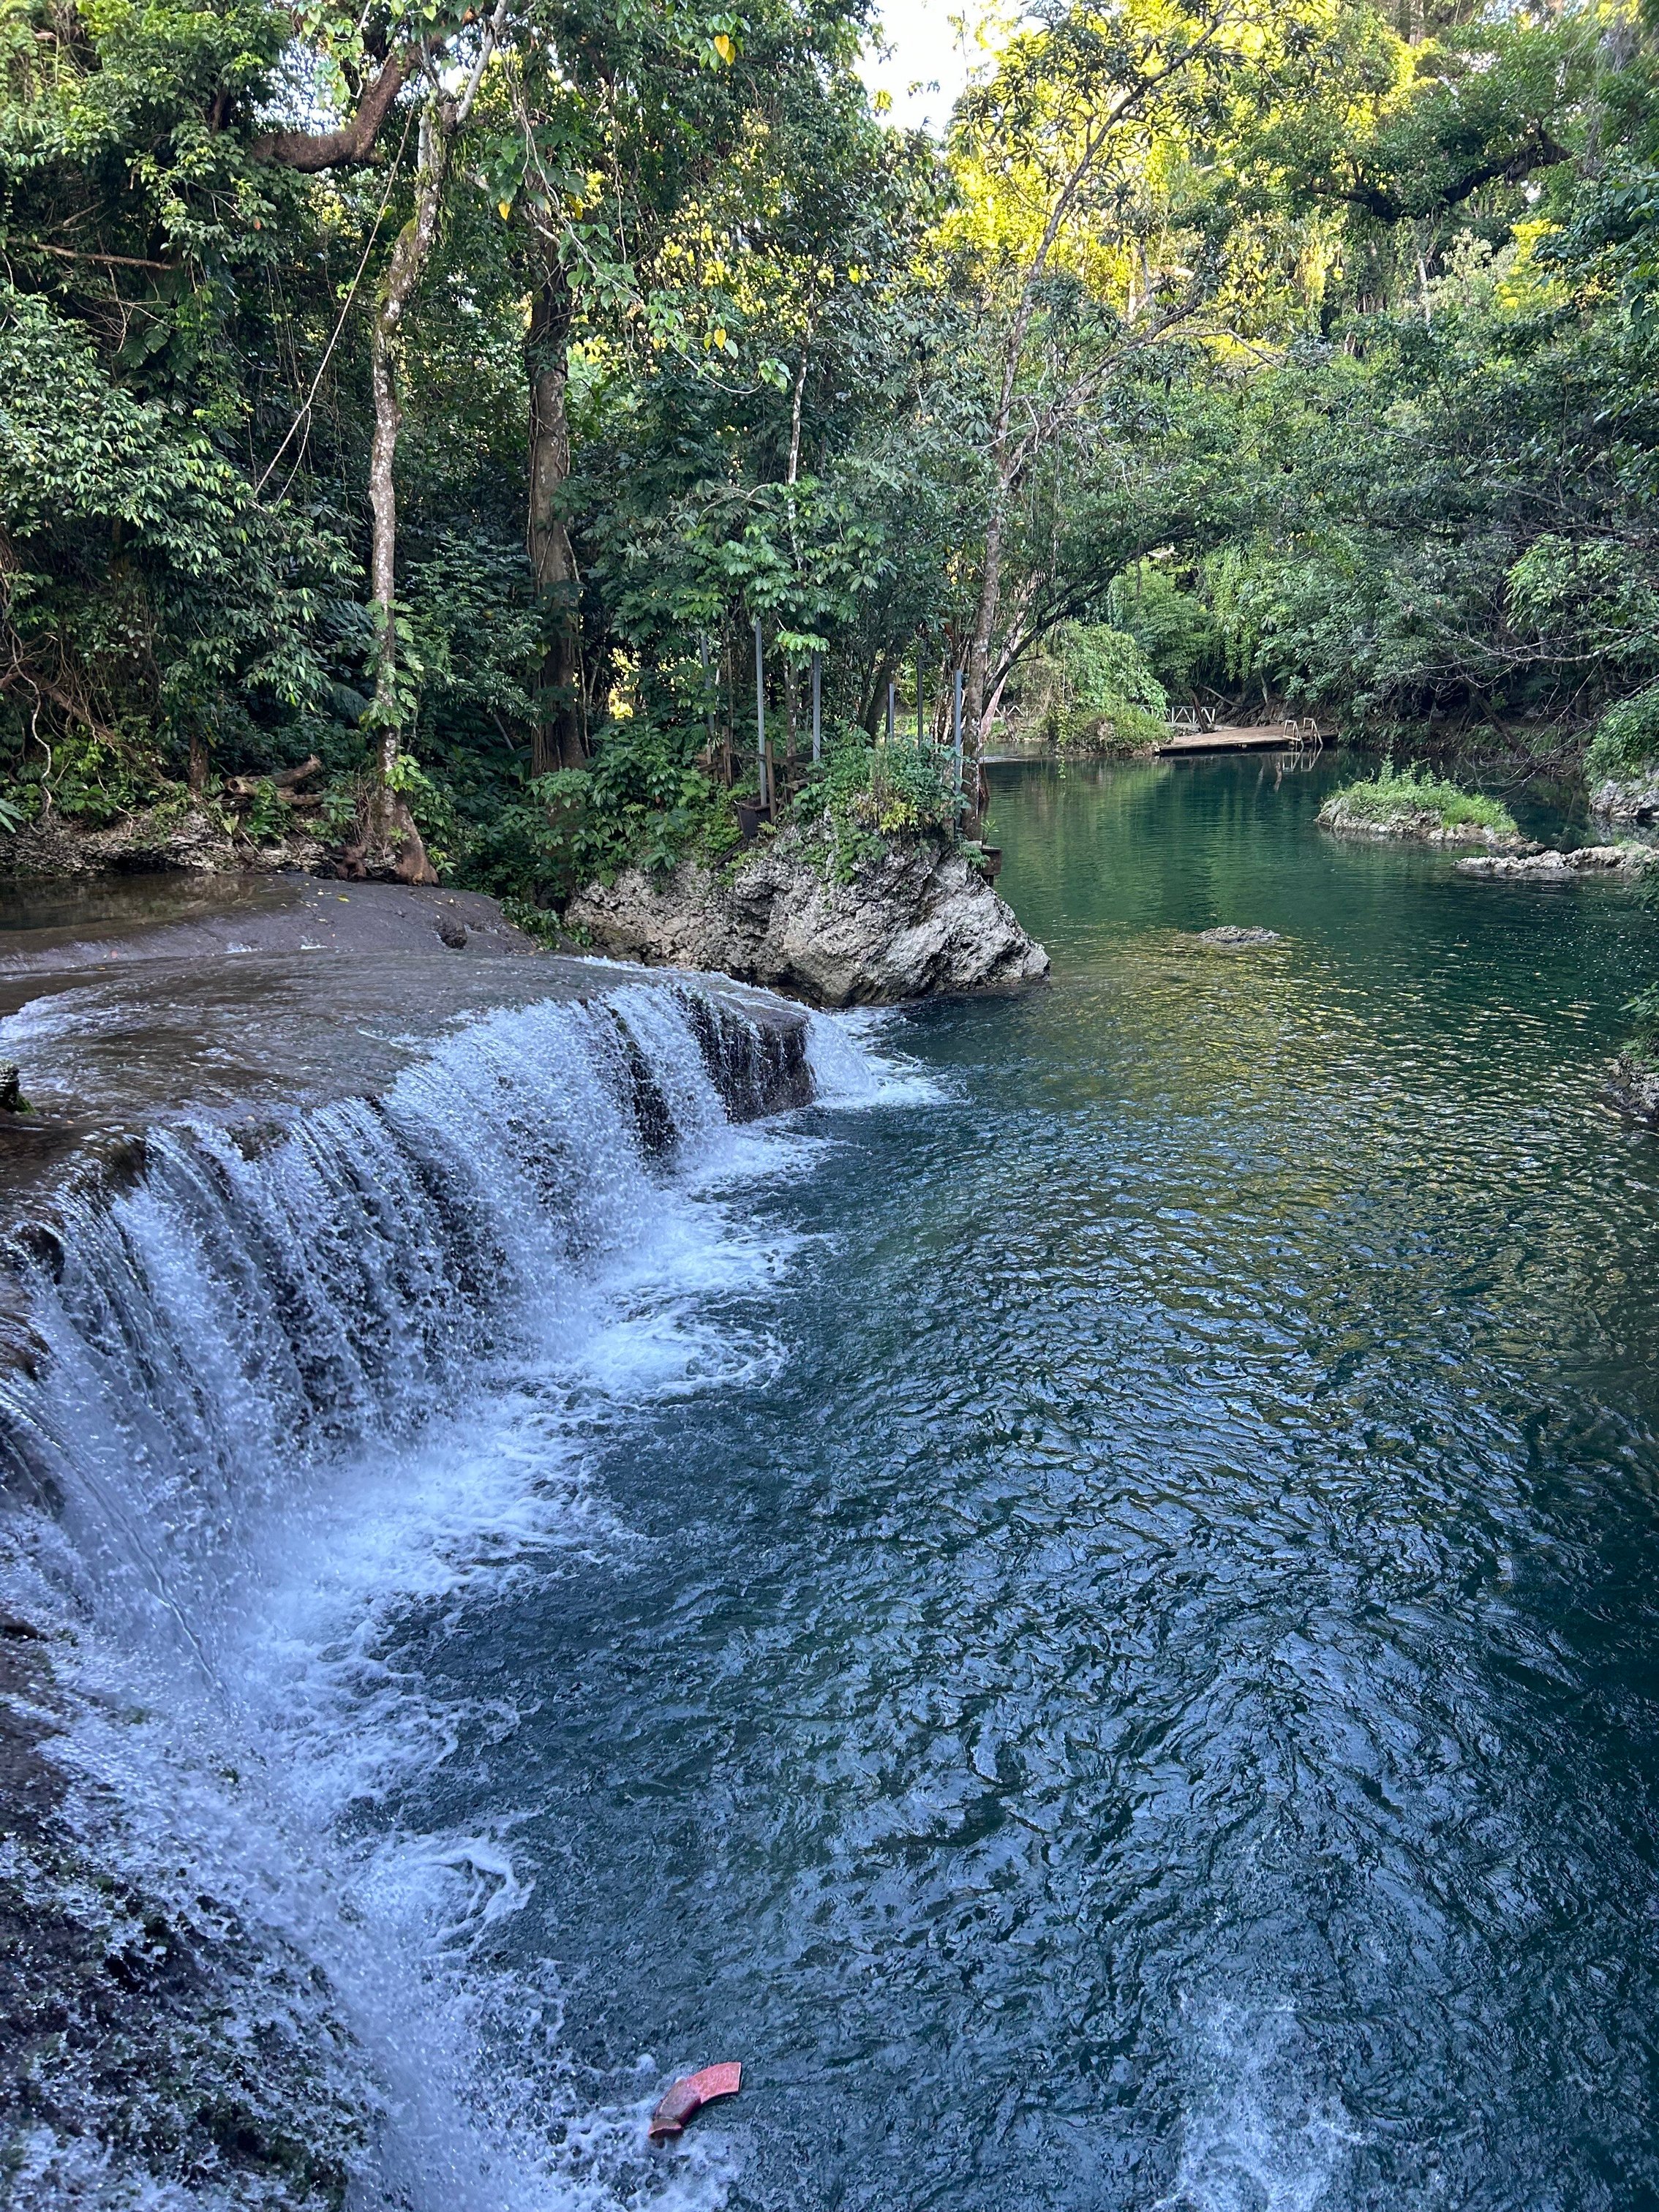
[(285, 780)]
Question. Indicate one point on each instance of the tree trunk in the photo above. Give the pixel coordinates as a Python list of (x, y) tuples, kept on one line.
[(390, 842), (558, 738), (977, 707)]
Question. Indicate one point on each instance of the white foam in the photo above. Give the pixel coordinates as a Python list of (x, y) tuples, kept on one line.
[(855, 1065), (255, 1520), (1256, 2137)]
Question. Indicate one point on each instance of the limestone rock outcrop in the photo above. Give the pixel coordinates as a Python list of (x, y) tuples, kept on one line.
[(1418, 825), (917, 920), (1562, 866), (1635, 798)]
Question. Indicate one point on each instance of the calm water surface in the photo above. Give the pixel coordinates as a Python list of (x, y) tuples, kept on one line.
[(1142, 1692)]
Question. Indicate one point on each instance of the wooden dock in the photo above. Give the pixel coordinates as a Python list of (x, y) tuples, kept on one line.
[(1234, 737)]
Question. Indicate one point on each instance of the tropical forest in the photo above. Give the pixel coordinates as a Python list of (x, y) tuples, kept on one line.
[(829, 1086)]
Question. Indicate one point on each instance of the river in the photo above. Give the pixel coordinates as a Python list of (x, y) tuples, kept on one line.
[(1087, 1607)]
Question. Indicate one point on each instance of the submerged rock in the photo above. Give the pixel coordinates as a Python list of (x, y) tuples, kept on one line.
[(1230, 936), (1419, 825), (1561, 866), (1633, 1088), (916, 921)]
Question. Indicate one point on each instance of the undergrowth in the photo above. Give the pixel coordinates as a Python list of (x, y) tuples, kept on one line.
[(867, 793), (1396, 793), (645, 800), (1626, 739)]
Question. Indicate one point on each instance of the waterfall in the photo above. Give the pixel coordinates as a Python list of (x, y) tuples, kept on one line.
[(282, 1382)]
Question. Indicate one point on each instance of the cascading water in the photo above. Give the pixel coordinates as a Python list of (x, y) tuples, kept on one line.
[(1095, 1625), (282, 1390)]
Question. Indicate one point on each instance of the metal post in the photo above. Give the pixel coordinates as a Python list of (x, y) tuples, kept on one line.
[(919, 737), (956, 736), (817, 707), (707, 687), (760, 715), (891, 690)]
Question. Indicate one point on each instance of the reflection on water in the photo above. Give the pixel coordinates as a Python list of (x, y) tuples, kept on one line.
[(66, 906)]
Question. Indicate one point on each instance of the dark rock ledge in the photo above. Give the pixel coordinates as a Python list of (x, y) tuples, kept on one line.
[(1633, 1088)]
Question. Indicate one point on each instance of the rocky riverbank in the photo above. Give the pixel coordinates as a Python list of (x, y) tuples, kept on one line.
[(917, 920), (254, 827), (1563, 866), (161, 840), (1634, 798), (1633, 1088)]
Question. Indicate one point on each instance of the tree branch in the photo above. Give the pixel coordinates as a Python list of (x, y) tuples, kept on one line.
[(311, 151), (110, 260)]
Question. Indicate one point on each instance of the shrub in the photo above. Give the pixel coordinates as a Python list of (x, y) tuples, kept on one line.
[(1626, 738), (1091, 690), (864, 793), (1119, 733), (1395, 792), (641, 799)]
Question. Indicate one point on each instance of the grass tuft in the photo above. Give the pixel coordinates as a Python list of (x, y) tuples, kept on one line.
[(1396, 793)]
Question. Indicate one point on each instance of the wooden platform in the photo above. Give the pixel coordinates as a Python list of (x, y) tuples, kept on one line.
[(1232, 738)]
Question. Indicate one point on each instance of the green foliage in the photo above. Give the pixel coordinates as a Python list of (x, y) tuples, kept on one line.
[(267, 819), (1394, 794), (1643, 1011), (1117, 734), (867, 793), (149, 597), (1091, 690), (1174, 631), (1340, 383), (641, 800), (1626, 738), (1093, 667)]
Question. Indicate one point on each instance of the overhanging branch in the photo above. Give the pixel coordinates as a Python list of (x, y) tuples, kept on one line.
[(311, 151)]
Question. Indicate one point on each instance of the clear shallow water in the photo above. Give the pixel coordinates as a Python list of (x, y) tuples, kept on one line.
[(1088, 1610)]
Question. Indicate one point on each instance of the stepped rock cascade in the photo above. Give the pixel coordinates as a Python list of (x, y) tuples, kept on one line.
[(215, 1356)]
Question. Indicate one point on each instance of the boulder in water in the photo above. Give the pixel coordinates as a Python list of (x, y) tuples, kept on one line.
[(1418, 825), (917, 920), (1231, 937)]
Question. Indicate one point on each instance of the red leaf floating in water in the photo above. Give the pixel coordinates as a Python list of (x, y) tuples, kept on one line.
[(690, 2095)]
